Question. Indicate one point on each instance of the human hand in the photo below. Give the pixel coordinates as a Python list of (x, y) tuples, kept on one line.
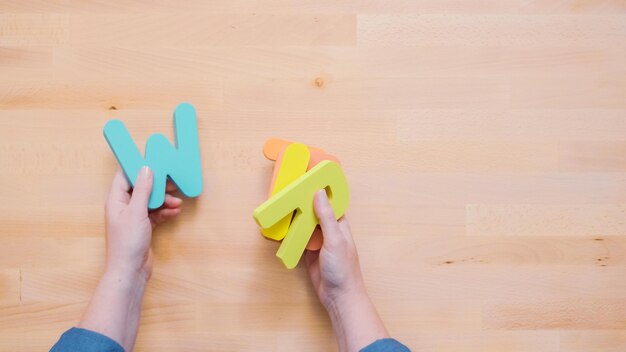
[(129, 224), (115, 307), (336, 275), (334, 269)]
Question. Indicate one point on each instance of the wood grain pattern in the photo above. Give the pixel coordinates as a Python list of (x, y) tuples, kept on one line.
[(484, 143)]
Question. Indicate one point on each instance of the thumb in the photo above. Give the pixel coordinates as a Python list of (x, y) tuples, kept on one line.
[(327, 220), (142, 190)]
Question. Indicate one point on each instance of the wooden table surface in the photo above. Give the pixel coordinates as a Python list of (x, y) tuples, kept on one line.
[(484, 143)]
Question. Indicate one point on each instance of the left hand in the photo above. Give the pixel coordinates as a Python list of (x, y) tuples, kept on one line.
[(129, 224)]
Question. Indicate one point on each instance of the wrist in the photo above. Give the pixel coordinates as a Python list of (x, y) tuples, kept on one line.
[(126, 274), (348, 292), (350, 299), (355, 321), (115, 306)]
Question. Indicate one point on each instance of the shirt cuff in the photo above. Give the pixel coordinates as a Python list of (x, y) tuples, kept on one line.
[(385, 345), (83, 340)]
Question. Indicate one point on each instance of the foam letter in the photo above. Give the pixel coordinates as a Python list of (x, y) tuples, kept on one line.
[(298, 196), (180, 163), (291, 164), (273, 148)]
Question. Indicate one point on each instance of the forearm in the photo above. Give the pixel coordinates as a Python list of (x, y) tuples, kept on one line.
[(115, 307), (355, 321)]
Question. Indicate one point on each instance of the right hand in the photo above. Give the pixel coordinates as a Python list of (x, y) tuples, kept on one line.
[(336, 276), (334, 269)]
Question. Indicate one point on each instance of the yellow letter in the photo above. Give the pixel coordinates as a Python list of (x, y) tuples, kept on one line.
[(293, 165), (298, 195)]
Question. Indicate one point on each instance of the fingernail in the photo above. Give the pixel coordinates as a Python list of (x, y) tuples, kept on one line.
[(145, 172), (322, 195)]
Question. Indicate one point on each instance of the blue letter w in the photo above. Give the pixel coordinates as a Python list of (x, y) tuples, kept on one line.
[(180, 163)]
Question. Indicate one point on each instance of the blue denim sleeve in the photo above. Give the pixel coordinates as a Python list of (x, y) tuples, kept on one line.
[(386, 345), (82, 340)]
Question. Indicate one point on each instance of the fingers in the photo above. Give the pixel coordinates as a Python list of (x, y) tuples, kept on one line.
[(142, 190), (170, 186), (311, 258), (172, 202), (344, 225), (316, 240), (345, 230), (326, 216), (159, 216), (119, 189), (170, 209)]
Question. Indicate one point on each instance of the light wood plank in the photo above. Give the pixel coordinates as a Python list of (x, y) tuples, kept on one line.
[(483, 142), (481, 30), (11, 285), (563, 314), (608, 341), (545, 220)]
